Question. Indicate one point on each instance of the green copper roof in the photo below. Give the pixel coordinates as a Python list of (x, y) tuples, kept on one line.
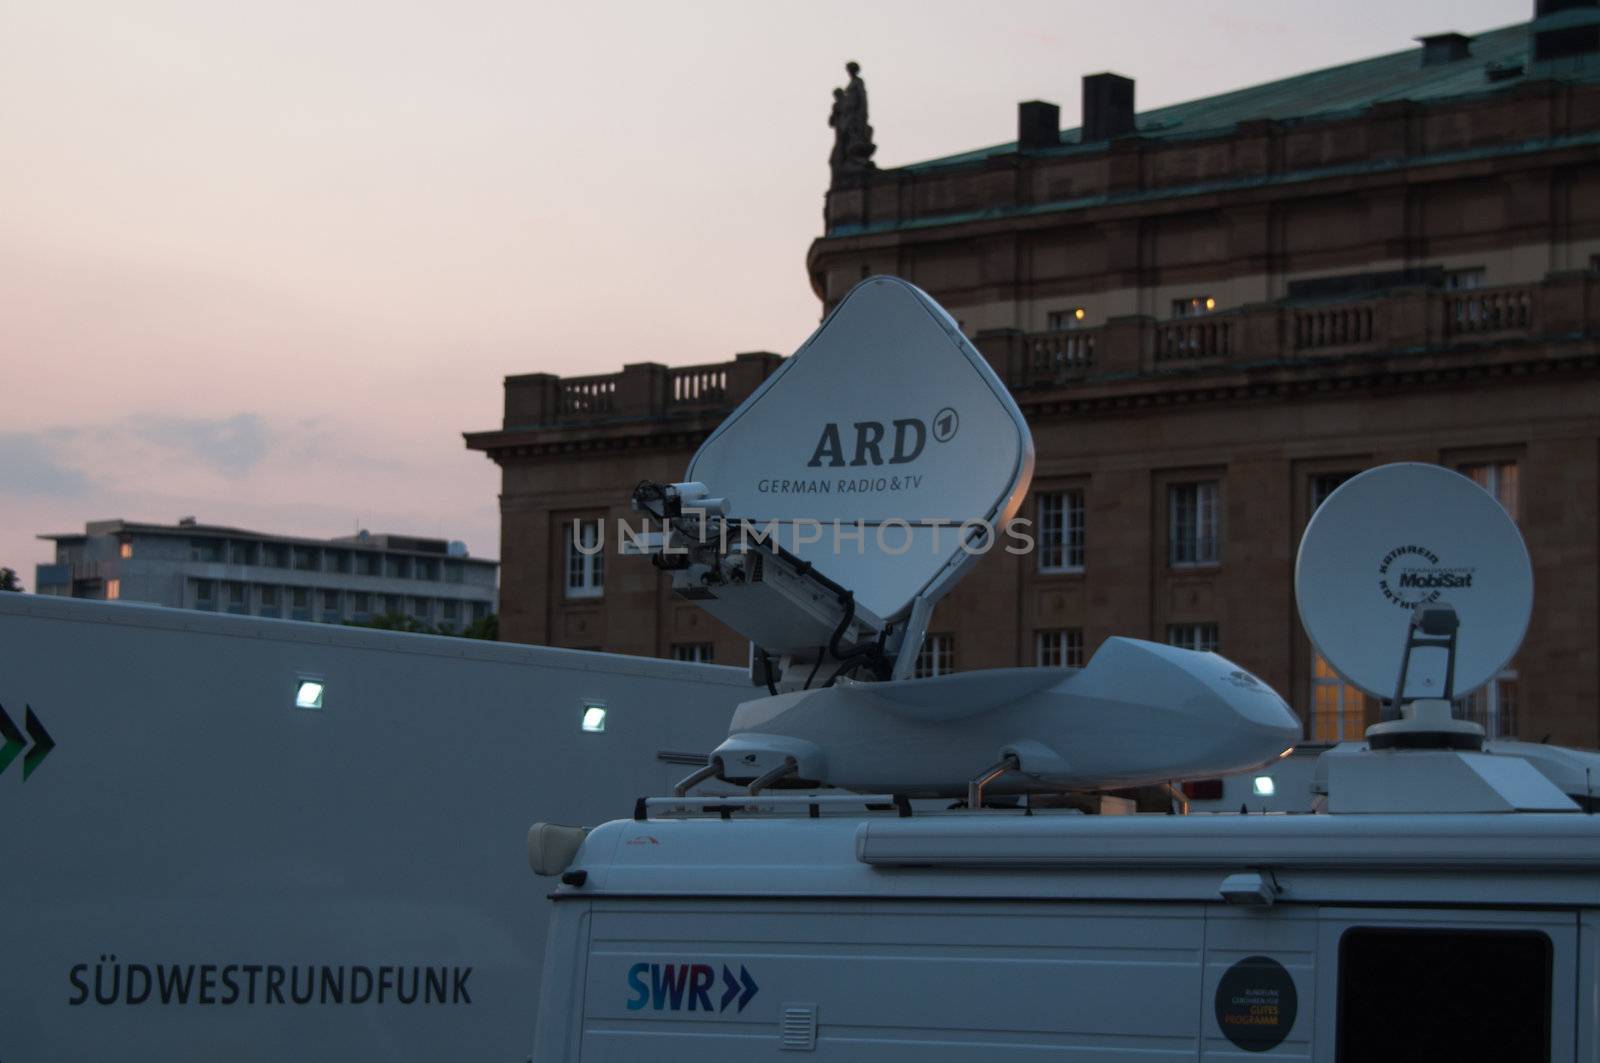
[(1346, 89)]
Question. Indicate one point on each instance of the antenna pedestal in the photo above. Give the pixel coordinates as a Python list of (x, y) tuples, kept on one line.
[(1425, 723)]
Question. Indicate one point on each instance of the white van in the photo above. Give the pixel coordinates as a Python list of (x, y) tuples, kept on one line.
[(734, 931)]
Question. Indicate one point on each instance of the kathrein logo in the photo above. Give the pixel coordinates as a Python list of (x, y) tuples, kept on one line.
[(1409, 576)]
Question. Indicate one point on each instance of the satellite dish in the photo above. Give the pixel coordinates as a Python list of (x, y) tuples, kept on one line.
[(1402, 536), (886, 416)]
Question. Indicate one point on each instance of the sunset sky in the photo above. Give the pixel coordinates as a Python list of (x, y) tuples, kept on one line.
[(264, 262)]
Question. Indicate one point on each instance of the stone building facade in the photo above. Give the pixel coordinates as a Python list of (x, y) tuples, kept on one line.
[(1210, 314)]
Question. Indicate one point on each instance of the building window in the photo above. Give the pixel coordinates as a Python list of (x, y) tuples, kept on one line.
[(336, 560), (451, 610), (479, 610), (125, 549), (1324, 485), (274, 555), (238, 599), (422, 609), (305, 559), (425, 569), (369, 564), (1200, 637), (1192, 523), (360, 604), (1492, 706), (585, 567), (937, 657), (452, 572), (269, 600), (113, 589), (396, 567), (1060, 545), (330, 605), (1063, 320), (701, 652), (1338, 710), (204, 595), (208, 550), (1062, 648), (300, 603), (393, 604), (242, 553), (1499, 478), (1193, 306), (1461, 280)]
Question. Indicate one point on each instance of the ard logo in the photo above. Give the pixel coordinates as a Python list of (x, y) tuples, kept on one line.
[(868, 439)]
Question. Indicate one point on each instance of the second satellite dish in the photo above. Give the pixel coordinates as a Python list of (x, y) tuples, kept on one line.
[(1400, 536)]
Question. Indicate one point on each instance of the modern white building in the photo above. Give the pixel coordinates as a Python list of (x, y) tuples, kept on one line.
[(190, 565)]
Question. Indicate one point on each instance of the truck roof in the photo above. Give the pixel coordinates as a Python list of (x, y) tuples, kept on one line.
[(1533, 858)]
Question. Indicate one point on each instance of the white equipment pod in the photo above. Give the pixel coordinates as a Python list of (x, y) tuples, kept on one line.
[(1139, 713)]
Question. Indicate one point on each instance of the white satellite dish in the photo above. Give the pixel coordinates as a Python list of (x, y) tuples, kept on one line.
[(1402, 536), (830, 512), (886, 416)]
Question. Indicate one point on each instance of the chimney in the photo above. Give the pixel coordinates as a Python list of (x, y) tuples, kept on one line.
[(1107, 107), (1564, 29), (1038, 125), (1445, 48)]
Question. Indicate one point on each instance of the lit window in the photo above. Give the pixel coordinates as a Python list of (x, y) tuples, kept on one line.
[(1060, 544), (1460, 280), (1499, 478), (1338, 710), (113, 589), (308, 694), (583, 553), (1193, 306), (1063, 320), (937, 657), (594, 718), (1192, 523), (1059, 649), (1199, 637), (701, 652), (125, 550)]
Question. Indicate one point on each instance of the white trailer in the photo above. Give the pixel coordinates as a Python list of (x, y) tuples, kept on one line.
[(196, 868)]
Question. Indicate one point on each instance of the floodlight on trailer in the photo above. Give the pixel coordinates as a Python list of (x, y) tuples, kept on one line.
[(308, 694)]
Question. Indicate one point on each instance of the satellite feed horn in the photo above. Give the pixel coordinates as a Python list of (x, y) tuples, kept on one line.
[(1375, 565), (825, 517)]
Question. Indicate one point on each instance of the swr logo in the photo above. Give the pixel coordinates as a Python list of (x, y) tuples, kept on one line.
[(673, 984)]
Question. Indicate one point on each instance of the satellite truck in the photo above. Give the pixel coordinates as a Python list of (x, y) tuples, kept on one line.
[(876, 866)]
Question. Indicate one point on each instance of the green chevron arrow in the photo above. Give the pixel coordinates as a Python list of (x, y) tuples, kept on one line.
[(13, 741), (42, 743)]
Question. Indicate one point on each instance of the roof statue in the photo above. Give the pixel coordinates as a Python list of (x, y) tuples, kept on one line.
[(852, 136)]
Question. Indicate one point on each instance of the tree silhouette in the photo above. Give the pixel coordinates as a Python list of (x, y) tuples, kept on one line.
[(8, 580)]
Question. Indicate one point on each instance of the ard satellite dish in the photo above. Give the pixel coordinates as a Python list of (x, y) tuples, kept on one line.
[(889, 417), (888, 424), (1402, 536)]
